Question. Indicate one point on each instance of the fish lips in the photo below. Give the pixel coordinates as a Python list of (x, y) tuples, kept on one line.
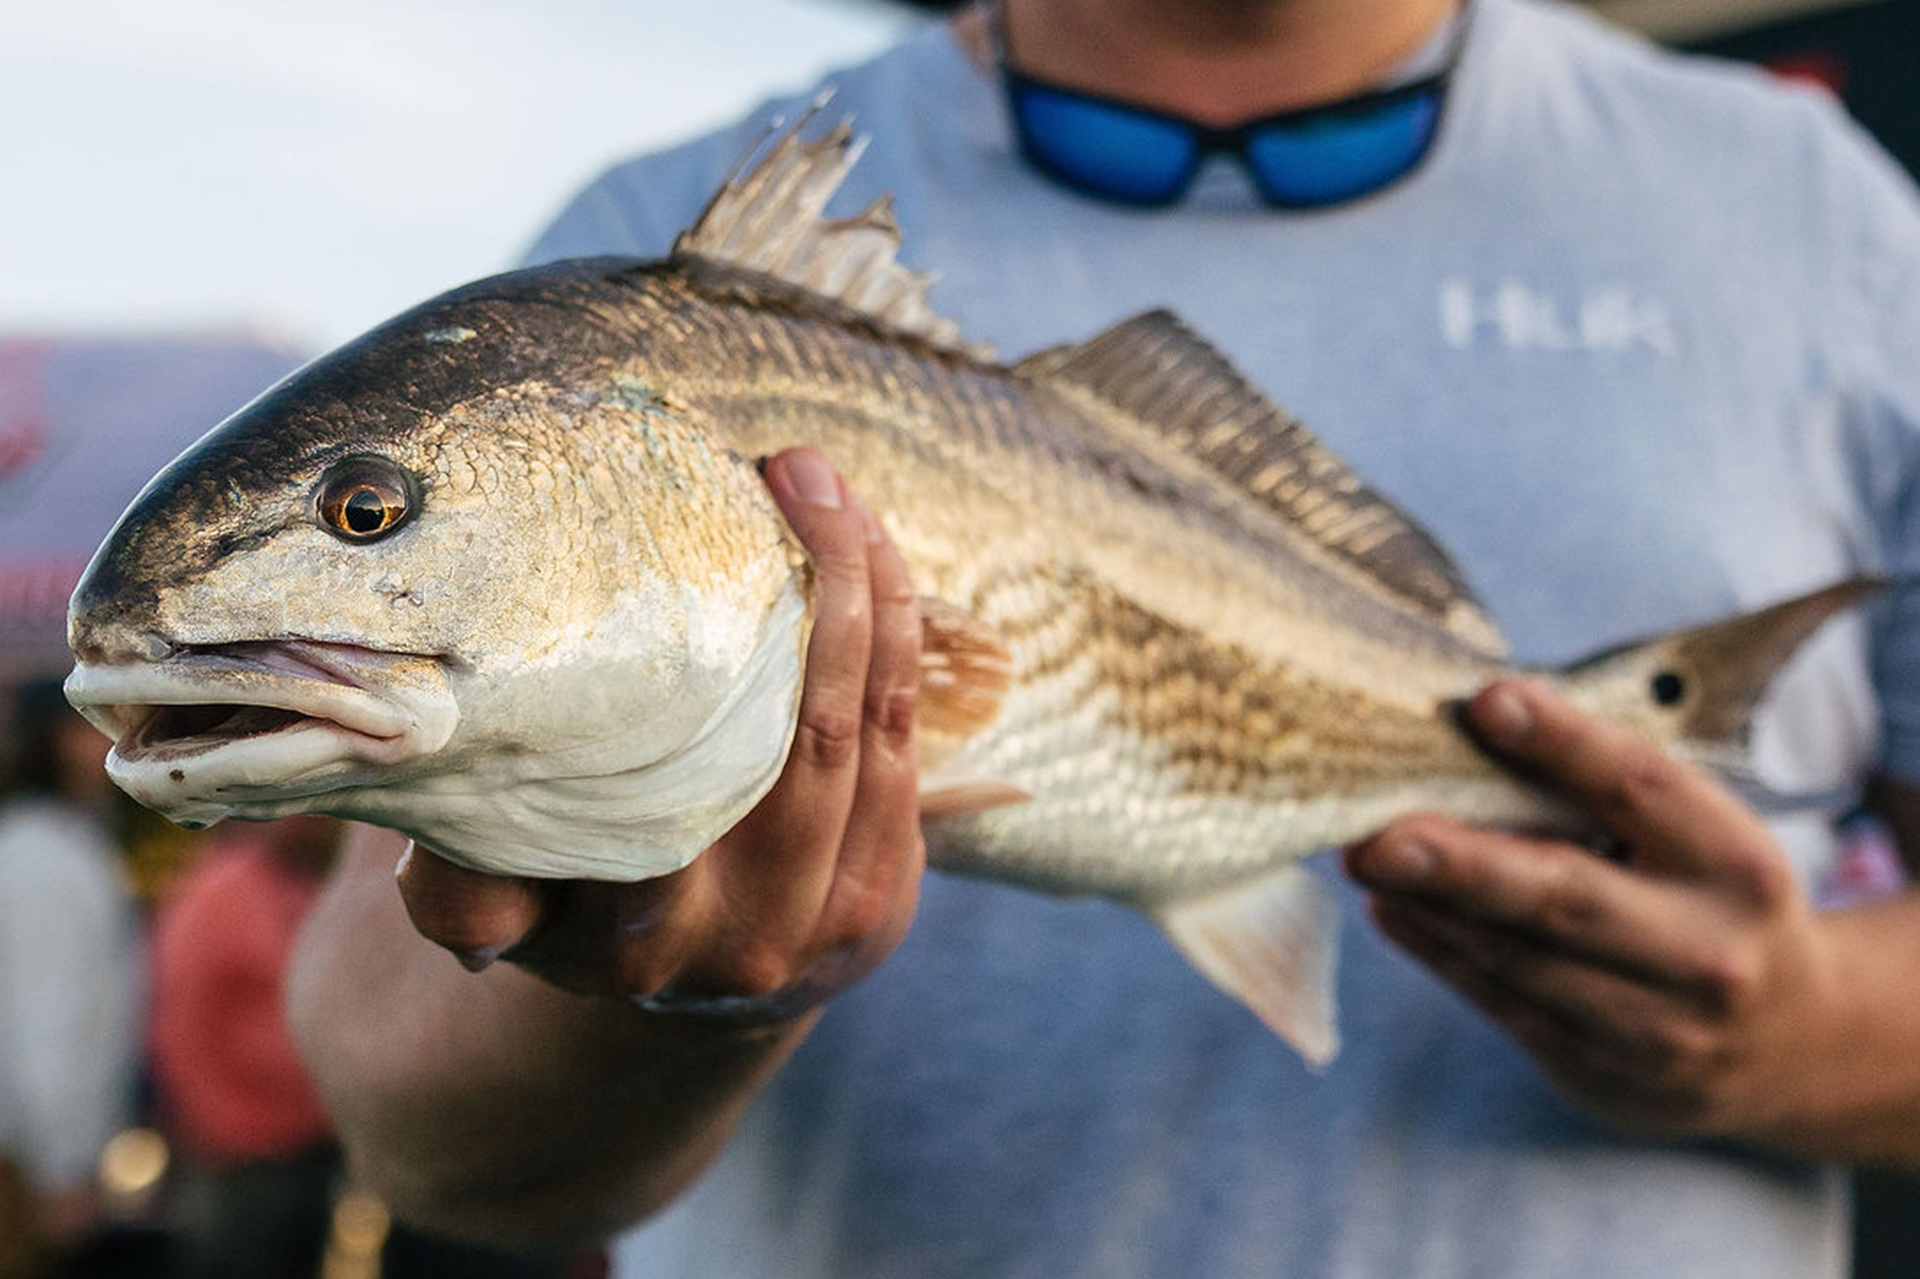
[(257, 729)]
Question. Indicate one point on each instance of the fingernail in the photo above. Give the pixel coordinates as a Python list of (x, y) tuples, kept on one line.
[(1396, 861), (400, 867), (875, 533), (475, 960), (1503, 714), (814, 480)]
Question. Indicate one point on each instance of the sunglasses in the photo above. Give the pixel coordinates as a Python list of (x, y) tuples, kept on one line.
[(1132, 154)]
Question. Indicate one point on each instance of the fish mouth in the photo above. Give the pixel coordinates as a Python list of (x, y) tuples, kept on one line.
[(250, 729), (172, 732)]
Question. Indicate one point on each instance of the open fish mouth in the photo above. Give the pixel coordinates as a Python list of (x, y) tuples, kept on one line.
[(177, 731), (246, 729)]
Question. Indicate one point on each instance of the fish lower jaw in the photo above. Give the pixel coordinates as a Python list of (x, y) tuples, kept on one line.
[(275, 764), (201, 737)]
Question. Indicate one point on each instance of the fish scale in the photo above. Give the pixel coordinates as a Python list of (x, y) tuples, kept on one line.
[(1136, 651), (1171, 645), (857, 414)]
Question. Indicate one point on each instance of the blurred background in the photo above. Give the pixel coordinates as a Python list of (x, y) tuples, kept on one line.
[(194, 198)]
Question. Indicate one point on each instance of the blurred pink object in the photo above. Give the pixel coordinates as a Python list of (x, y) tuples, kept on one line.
[(1867, 866), (227, 1068)]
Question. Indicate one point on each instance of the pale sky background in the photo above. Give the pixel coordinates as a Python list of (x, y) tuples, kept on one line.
[(310, 168)]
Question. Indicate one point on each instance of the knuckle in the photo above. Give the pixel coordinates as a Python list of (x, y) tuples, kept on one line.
[(862, 913), (639, 971), (898, 593), (1765, 874), (1569, 903), (891, 711), (1676, 1046), (1644, 778), (758, 968), (1732, 980), (864, 906), (828, 738)]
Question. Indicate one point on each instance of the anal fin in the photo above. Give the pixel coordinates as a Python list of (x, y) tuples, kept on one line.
[(1272, 945)]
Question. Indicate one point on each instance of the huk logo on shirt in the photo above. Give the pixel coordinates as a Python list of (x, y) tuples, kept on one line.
[(1607, 318)]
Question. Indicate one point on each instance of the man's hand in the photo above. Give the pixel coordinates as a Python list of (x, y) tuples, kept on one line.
[(813, 888), (504, 1107), (1683, 984)]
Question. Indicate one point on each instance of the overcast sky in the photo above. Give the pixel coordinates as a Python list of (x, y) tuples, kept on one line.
[(312, 167)]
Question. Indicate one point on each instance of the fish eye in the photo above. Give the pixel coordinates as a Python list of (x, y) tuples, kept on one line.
[(1669, 688), (365, 498)]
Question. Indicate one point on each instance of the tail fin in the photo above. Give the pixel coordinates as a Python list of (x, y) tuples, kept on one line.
[(1695, 690)]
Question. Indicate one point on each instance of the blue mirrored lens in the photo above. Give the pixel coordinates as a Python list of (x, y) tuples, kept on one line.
[(1113, 152), (1342, 156)]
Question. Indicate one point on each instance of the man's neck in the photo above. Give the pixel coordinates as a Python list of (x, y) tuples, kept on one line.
[(1220, 61)]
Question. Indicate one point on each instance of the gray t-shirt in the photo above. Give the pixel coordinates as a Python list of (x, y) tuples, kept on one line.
[(1637, 344)]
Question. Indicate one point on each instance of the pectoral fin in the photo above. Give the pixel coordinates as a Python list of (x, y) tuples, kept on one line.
[(965, 672), (1272, 946)]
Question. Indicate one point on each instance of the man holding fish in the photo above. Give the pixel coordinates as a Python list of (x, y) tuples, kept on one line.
[(1633, 338)]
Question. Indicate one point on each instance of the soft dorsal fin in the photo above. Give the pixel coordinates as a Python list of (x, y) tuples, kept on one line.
[(1157, 371), (769, 220)]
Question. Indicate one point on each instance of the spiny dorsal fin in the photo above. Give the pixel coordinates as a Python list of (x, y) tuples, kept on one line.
[(1156, 370), (769, 220)]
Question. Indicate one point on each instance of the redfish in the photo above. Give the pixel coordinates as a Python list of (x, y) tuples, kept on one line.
[(501, 574)]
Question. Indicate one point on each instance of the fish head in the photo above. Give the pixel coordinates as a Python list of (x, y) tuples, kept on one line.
[(446, 580), (228, 633)]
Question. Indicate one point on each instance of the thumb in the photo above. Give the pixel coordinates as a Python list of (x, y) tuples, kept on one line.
[(475, 916), (1672, 817)]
